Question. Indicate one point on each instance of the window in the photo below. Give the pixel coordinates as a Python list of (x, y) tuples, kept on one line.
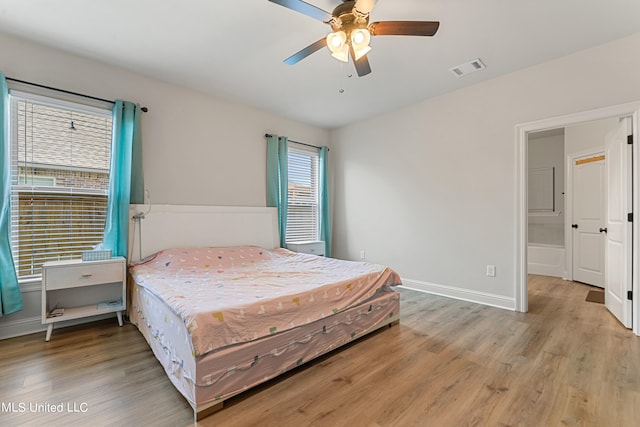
[(60, 159), (302, 214)]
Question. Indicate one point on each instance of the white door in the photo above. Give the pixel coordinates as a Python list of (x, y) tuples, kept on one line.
[(618, 230), (588, 218)]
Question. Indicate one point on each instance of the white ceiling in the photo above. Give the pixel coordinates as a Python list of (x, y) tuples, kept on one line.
[(234, 49)]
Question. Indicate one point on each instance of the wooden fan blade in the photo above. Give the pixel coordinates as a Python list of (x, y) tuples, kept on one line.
[(305, 9), (365, 6), (362, 65), (299, 56), (404, 28)]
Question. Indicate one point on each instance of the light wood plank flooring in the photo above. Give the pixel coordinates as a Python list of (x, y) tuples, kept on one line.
[(448, 363)]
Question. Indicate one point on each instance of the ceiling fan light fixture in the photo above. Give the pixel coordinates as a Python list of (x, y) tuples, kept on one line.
[(337, 44), (342, 54), (359, 53), (351, 30), (360, 39), (360, 36), (336, 41)]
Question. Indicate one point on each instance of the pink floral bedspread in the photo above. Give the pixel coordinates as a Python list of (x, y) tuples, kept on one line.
[(231, 295)]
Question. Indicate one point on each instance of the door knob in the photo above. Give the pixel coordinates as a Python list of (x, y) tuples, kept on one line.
[(603, 229), (574, 225)]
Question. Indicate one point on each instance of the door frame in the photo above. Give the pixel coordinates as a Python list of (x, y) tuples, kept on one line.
[(632, 110), (568, 207)]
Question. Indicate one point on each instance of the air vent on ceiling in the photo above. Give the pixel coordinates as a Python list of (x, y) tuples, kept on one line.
[(468, 67)]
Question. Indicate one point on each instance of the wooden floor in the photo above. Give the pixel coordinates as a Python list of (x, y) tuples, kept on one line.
[(448, 363)]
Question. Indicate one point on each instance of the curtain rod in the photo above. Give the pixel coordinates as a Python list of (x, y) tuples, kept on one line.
[(268, 135), (144, 109)]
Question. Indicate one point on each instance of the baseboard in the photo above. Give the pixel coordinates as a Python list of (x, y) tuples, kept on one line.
[(26, 326), (546, 270), (478, 297), (32, 325), (546, 260)]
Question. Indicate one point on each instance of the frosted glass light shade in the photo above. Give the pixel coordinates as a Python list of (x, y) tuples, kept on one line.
[(343, 54), (360, 39), (337, 43)]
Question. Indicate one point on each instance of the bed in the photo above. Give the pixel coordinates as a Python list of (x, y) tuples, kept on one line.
[(224, 309)]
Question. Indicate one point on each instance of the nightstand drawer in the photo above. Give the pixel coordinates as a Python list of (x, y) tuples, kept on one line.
[(313, 248), (88, 274)]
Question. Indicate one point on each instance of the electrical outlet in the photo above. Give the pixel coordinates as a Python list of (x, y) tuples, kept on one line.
[(491, 271), (362, 254)]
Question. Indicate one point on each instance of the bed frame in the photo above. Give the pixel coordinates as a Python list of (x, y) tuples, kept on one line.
[(157, 227)]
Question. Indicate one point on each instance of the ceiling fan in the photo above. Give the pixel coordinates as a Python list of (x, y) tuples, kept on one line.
[(351, 31)]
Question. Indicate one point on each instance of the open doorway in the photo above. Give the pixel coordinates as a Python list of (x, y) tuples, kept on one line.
[(547, 205), (566, 201)]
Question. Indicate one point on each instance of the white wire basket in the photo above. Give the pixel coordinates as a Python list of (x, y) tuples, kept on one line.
[(96, 255)]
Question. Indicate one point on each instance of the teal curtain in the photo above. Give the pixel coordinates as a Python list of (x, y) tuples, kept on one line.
[(277, 181), (10, 296), (137, 177), (325, 210), (126, 183)]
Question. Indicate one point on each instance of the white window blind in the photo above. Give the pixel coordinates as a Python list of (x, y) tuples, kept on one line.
[(60, 157), (302, 215)]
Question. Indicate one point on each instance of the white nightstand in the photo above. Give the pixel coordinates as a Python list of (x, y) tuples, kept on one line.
[(315, 247), (83, 289)]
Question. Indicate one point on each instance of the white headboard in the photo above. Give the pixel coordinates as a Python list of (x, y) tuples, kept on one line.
[(174, 226)]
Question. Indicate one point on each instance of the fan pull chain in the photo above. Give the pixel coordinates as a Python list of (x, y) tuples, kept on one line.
[(342, 73)]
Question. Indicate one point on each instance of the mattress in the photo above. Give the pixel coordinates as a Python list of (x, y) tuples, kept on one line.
[(221, 374), (222, 320), (226, 296)]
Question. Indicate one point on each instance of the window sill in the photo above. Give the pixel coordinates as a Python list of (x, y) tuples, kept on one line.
[(30, 285)]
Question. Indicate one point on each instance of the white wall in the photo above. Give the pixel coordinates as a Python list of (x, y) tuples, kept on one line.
[(588, 136), (431, 189), (197, 149)]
